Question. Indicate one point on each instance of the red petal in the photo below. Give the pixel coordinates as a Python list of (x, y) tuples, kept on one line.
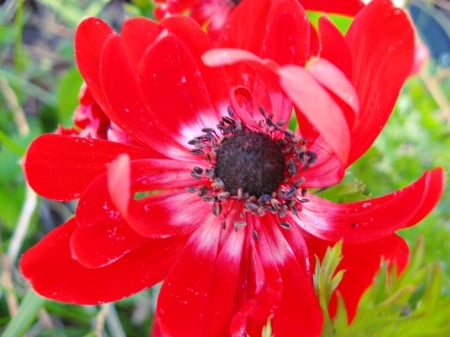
[(333, 46), (318, 107), (129, 110), (372, 219), (381, 41), (335, 81), (167, 214), (179, 96), (360, 269), (326, 171), (61, 167), (299, 308), (198, 295), (99, 244), (361, 262), (249, 16), (54, 274), (346, 7), (90, 37), (137, 35), (105, 234), (158, 215), (286, 37), (191, 35), (279, 30)]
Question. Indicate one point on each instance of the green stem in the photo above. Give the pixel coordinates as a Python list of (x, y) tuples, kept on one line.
[(26, 314)]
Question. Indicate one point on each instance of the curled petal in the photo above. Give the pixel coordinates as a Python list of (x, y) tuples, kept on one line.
[(53, 272), (318, 107), (335, 81), (156, 215), (372, 219), (60, 167), (227, 56), (327, 170), (119, 177)]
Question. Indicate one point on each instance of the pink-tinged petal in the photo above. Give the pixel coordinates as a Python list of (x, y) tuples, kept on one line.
[(90, 36), (176, 89), (128, 108), (318, 107), (226, 56), (197, 299), (119, 183), (53, 272), (381, 41), (327, 170), (137, 35), (346, 7), (332, 78), (372, 219), (333, 46), (60, 167), (285, 31), (421, 56)]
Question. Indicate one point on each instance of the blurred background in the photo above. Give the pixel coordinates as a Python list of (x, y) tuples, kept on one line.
[(39, 86)]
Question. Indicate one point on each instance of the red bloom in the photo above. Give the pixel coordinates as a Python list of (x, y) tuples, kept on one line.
[(213, 194), (214, 13)]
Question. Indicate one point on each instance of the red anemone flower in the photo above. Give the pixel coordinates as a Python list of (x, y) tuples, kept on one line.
[(214, 13), (214, 195)]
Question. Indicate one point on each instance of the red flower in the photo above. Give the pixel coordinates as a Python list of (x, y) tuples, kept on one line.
[(213, 194), (214, 13)]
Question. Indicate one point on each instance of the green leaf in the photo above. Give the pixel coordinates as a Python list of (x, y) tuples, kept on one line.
[(325, 282)]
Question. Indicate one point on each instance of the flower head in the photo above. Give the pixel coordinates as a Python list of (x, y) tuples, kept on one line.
[(215, 194)]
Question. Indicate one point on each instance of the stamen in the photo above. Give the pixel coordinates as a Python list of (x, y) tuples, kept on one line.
[(237, 156)]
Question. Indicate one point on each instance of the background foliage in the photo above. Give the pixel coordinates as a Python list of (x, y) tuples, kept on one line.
[(38, 90)]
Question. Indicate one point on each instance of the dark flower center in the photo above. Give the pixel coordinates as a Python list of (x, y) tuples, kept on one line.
[(250, 162)]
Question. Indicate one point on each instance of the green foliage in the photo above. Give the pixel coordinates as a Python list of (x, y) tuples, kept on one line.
[(409, 305), (326, 280)]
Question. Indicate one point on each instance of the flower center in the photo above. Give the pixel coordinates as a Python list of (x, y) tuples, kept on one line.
[(250, 162)]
